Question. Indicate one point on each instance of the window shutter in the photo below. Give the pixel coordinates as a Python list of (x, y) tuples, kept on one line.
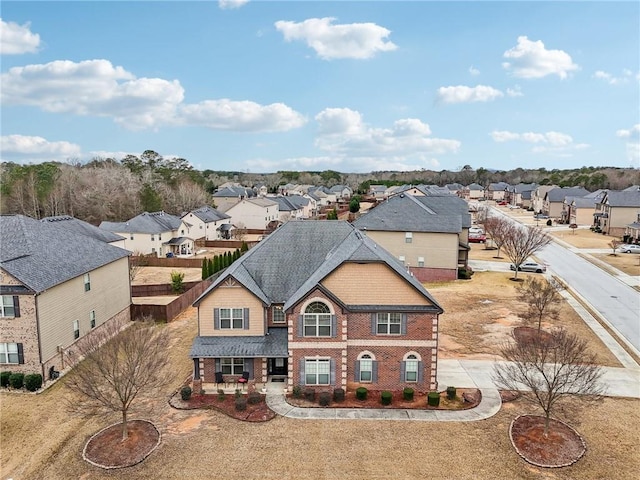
[(334, 326), (420, 372), (302, 378), (300, 325), (374, 323), (16, 306), (403, 324), (374, 371), (218, 366), (245, 319), (20, 354), (403, 371), (356, 371), (332, 371), (216, 319), (248, 366)]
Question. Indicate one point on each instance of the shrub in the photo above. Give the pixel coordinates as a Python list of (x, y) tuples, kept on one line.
[(297, 391), (4, 379), (386, 397), (254, 398), (324, 399), (241, 404), (465, 273), (16, 380), (310, 394), (451, 393), (177, 282), (185, 392), (339, 395), (361, 393), (33, 381), (238, 393), (407, 394), (221, 395), (549, 223), (433, 399)]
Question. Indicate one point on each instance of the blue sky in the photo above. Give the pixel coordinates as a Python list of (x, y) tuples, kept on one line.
[(261, 86)]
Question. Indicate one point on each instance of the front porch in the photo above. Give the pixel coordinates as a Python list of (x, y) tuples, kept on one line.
[(274, 384)]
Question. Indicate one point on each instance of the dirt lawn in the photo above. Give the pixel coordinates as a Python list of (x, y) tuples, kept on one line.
[(628, 263), (157, 275), (583, 238)]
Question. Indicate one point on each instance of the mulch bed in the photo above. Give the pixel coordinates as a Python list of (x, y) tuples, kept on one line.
[(563, 446), (259, 412), (525, 335), (106, 449)]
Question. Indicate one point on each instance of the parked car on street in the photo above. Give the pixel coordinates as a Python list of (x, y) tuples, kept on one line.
[(530, 267), (629, 248), (502, 203), (475, 230), (477, 238), (541, 216)]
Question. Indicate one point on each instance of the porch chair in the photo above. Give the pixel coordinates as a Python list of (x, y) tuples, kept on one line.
[(243, 379)]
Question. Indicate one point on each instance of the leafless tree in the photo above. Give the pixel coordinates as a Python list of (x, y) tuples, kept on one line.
[(240, 232), (542, 300), (498, 228), (614, 244), (136, 262), (547, 369), (115, 366), (520, 242)]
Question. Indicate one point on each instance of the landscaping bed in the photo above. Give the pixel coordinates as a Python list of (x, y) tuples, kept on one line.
[(257, 412), (106, 449)]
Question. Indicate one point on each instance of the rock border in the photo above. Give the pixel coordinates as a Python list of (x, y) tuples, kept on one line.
[(522, 455), (116, 467)]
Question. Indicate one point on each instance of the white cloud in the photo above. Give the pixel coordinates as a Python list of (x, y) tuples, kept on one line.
[(532, 60), (355, 40), (474, 71), (555, 143), (464, 94), (230, 4), (97, 88), (342, 132), (16, 39), (514, 92), (35, 149), (632, 137), (626, 76), (241, 116), (344, 164), (633, 132)]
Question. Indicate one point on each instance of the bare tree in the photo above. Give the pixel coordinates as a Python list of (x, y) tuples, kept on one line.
[(136, 262), (614, 244), (115, 365), (520, 242), (240, 232), (542, 300), (497, 228), (546, 369)]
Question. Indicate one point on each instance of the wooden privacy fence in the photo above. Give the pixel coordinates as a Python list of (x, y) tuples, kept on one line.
[(158, 289), (171, 310)]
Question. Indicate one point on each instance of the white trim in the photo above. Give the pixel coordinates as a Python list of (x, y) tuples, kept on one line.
[(391, 343)]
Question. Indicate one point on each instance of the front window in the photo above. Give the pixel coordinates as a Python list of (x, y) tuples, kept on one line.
[(411, 369), (366, 368), (153, 238), (278, 314), (92, 318), (9, 353), (421, 261), (317, 320), (317, 372), (408, 237), (7, 308), (389, 323), (231, 318), (232, 366), (87, 282), (76, 329)]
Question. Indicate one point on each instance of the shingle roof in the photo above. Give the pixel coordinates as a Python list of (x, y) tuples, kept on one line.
[(310, 250), (272, 345), (581, 202), (624, 198), (235, 192), (42, 256), (407, 213), (79, 226), (208, 214), (475, 186), (558, 194), (155, 222)]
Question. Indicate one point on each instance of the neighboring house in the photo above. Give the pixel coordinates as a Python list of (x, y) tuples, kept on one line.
[(57, 287), (428, 234), (496, 191), (616, 210), (320, 305), (342, 192), (378, 192), (254, 213), (261, 190), (228, 196), (150, 233), (515, 194), (474, 192), (455, 188), (204, 222), (632, 232), (292, 207), (537, 197), (326, 196), (578, 210), (67, 222), (320, 198), (554, 199)]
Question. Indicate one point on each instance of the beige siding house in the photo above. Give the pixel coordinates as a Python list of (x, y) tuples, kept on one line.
[(254, 213), (58, 287), (616, 210), (317, 304)]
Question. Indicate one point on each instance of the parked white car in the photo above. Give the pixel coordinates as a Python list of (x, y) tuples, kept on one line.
[(629, 248), (530, 267)]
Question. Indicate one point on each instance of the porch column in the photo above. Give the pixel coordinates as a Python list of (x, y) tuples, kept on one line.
[(196, 369)]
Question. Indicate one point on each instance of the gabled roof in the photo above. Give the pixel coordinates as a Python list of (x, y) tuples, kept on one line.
[(524, 187), (339, 188), (68, 222), (310, 250), (581, 202), (498, 186), (407, 213), (41, 255), (208, 214), (632, 188), (475, 186), (454, 186), (623, 198), (558, 194), (291, 203), (234, 192), (155, 222)]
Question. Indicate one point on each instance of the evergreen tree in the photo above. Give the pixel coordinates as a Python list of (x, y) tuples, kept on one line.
[(205, 268), (211, 266), (216, 264), (244, 247)]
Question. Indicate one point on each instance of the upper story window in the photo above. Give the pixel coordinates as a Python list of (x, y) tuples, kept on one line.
[(389, 323), (421, 261), (10, 306), (231, 318), (131, 236), (278, 314), (402, 259), (408, 237), (317, 320), (159, 237), (87, 282), (76, 329), (152, 237)]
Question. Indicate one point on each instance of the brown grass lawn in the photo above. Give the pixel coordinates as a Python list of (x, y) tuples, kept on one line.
[(473, 328), (628, 263), (40, 440), (156, 275), (583, 238), (479, 251)]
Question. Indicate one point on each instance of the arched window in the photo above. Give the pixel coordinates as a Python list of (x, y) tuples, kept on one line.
[(366, 368), (317, 320), (411, 368)]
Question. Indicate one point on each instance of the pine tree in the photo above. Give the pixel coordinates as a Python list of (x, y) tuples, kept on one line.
[(205, 268)]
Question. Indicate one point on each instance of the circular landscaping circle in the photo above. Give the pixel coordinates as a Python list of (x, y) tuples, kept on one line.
[(563, 446), (107, 450)]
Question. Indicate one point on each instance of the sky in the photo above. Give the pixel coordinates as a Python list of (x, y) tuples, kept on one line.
[(262, 86)]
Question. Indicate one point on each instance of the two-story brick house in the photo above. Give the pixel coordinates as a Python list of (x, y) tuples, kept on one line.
[(322, 305), (58, 287)]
